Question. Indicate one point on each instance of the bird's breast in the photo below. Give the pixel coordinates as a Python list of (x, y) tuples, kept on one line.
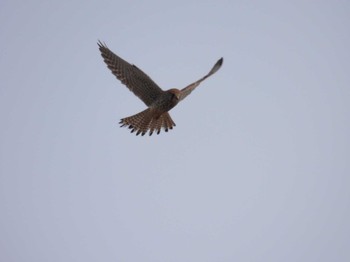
[(165, 102)]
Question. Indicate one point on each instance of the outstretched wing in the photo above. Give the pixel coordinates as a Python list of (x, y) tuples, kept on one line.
[(131, 76), (188, 89)]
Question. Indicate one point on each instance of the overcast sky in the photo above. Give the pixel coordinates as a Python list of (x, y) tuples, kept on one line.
[(256, 169)]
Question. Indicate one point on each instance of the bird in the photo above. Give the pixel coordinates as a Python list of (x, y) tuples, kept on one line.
[(158, 101)]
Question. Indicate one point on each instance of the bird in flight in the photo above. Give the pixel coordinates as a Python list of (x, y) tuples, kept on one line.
[(158, 101)]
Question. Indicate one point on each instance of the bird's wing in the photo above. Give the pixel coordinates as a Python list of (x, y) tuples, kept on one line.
[(131, 76), (188, 89)]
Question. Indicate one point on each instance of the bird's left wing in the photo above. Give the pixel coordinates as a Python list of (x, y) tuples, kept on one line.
[(130, 75), (188, 89)]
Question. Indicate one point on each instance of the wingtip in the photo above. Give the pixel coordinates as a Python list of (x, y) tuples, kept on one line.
[(217, 66), (101, 44), (220, 61)]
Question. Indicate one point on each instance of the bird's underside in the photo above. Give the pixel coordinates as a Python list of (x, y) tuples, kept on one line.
[(159, 102)]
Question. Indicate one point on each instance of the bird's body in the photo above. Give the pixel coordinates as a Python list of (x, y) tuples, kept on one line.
[(159, 102), (167, 100)]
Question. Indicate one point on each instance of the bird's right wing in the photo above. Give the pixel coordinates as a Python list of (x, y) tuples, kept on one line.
[(188, 89), (131, 76)]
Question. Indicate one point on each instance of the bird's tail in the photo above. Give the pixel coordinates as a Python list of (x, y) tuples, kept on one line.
[(146, 120)]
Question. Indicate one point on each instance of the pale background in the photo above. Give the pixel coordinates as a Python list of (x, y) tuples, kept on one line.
[(257, 168)]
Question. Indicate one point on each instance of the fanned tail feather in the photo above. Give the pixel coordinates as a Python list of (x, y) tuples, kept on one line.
[(147, 121)]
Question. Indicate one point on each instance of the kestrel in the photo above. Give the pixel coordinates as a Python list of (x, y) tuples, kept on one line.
[(159, 102)]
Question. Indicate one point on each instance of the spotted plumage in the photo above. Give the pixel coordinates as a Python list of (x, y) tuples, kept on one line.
[(159, 102)]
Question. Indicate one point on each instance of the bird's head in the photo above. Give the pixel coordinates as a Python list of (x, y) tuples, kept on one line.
[(175, 94)]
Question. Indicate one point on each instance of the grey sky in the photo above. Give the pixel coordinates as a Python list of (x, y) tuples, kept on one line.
[(256, 169)]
